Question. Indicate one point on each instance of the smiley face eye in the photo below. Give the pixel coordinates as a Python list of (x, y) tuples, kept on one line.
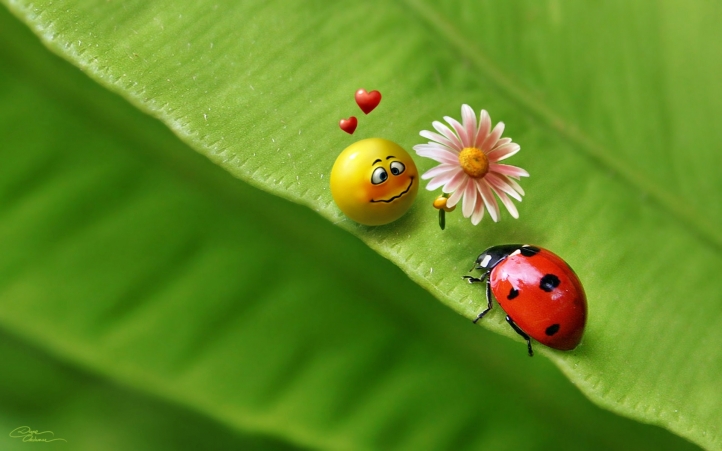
[(397, 167), (379, 176)]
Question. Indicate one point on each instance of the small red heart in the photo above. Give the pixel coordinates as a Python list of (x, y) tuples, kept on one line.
[(348, 125), (367, 101)]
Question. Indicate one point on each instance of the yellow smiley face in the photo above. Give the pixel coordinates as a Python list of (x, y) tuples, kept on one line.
[(374, 181)]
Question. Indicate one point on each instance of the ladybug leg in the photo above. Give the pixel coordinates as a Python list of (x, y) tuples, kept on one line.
[(483, 278), (520, 332), (472, 279)]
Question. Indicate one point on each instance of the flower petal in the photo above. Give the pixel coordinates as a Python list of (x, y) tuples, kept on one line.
[(437, 153), (502, 142), (467, 206), (499, 183), (456, 195), (440, 169), (503, 152), (439, 139), (489, 199), (438, 181), (513, 183), (448, 134), (444, 179), (460, 130), (457, 182), (507, 203), (435, 145), (493, 137), (509, 170), (478, 213), (484, 128), (468, 118)]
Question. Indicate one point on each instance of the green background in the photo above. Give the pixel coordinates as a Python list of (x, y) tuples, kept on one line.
[(149, 299)]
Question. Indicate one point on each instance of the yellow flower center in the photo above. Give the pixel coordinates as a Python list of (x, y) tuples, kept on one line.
[(474, 162)]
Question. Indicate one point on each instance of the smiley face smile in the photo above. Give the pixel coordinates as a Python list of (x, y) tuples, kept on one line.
[(411, 182)]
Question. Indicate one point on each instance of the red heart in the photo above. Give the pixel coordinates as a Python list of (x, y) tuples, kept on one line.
[(367, 101), (348, 125)]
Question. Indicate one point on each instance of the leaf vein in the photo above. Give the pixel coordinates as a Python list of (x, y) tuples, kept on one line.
[(678, 207)]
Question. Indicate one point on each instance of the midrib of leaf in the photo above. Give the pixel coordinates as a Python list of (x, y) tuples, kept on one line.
[(531, 105)]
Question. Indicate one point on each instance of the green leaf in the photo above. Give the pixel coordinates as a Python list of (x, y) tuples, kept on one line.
[(89, 413), (146, 265), (147, 304)]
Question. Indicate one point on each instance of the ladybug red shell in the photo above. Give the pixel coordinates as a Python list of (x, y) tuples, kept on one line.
[(541, 295)]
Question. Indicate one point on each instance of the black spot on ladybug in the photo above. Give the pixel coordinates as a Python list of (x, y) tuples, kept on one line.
[(551, 330), (529, 251), (513, 293), (549, 282)]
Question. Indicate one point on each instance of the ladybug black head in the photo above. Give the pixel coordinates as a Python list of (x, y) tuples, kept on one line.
[(494, 255)]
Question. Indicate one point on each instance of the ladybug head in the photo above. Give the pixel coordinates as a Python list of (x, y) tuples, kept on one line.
[(494, 255)]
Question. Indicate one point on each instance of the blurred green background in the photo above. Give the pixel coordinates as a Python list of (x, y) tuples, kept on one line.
[(149, 299)]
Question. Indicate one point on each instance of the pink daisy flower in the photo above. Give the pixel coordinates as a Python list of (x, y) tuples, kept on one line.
[(470, 171)]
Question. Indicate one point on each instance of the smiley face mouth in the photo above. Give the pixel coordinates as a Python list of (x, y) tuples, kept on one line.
[(411, 182)]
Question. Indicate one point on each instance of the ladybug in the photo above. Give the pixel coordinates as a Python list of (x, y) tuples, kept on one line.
[(540, 293)]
